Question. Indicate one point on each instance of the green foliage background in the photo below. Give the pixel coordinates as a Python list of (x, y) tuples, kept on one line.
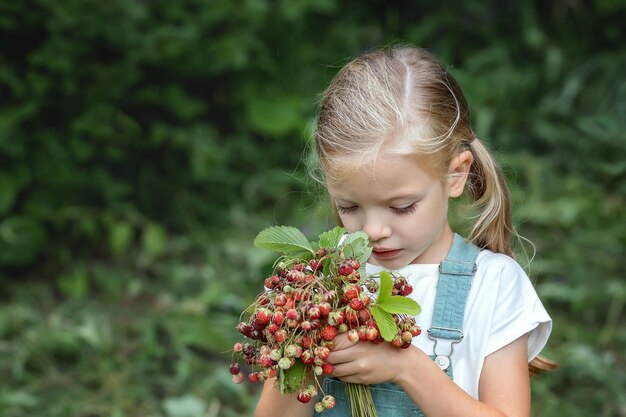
[(144, 144)]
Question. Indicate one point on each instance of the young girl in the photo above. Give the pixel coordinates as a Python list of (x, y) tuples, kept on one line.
[(394, 142)]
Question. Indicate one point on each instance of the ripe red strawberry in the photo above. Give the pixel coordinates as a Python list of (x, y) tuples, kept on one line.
[(307, 357), (351, 291), (354, 263), (416, 331), (280, 300), (278, 317), (356, 304), (280, 336), (345, 269), (329, 332), (322, 352), (314, 313), (292, 314), (253, 377), (328, 368), (324, 308), (304, 396), (406, 290), (234, 368), (307, 342), (315, 264), (263, 315), (371, 334)]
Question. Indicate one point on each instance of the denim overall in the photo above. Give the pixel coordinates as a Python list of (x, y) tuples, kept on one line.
[(455, 276)]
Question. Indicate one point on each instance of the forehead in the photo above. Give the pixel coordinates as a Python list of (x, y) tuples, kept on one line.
[(388, 177)]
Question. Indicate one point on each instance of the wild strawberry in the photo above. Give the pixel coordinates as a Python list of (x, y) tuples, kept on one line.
[(328, 368), (335, 318), (405, 345), (293, 351), (371, 334), (306, 325), (307, 342), (245, 328), (278, 317), (293, 324), (314, 313), (315, 324), (364, 315), (319, 408), (307, 357), (280, 336), (351, 316), (238, 378), (275, 355), (237, 347), (312, 390), (234, 368), (272, 328), (295, 276), (315, 264), (290, 303), (265, 361), (406, 337), (343, 327), (415, 330), (362, 332), (356, 304), (317, 370), (268, 283), (328, 402), (286, 363), (263, 315), (280, 300), (292, 314), (320, 253), (329, 332), (351, 291), (253, 377), (406, 290), (354, 263), (263, 299), (304, 396), (322, 352), (298, 267), (397, 341), (324, 308), (345, 269)]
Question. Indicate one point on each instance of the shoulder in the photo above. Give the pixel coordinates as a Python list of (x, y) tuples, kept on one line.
[(493, 265)]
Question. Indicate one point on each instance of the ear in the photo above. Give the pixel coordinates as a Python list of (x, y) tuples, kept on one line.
[(458, 172)]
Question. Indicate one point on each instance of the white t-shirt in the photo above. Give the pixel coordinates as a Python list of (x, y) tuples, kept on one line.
[(501, 306)]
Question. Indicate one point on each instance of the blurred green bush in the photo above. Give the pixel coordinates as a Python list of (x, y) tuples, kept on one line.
[(143, 145)]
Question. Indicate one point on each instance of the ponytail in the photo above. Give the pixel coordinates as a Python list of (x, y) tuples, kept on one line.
[(490, 195), (493, 227)]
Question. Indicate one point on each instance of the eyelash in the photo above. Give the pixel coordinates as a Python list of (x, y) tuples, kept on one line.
[(399, 211)]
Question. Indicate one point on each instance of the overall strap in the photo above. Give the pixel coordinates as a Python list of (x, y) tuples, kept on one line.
[(455, 278)]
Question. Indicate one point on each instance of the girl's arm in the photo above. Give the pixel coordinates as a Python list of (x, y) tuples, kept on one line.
[(273, 404), (504, 387)]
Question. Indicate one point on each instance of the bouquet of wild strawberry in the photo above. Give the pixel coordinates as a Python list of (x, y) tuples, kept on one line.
[(318, 290)]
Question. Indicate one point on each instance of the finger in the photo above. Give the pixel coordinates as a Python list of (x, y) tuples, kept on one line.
[(342, 342)]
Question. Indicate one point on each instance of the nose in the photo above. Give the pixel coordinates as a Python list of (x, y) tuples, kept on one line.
[(376, 228)]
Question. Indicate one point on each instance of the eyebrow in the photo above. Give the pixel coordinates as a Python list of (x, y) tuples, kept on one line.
[(407, 196)]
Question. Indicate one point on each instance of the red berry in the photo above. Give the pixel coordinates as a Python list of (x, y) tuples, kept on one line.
[(234, 368), (280, 300), (314, 313), (304, 396), (278, 317), (306, 342), (263, 315), (328, 368), (324, 308), (307, 357), (345, 269), (356, 304), (280, 336), (371, 334), (322, 352), (406, 290), (329, 332), (253, 377), (237, 347), (415, 330), (292, 314), (315, 265), (238, 379), (354, 263)]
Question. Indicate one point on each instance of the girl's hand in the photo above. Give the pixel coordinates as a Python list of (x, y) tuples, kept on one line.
[(367, 362)]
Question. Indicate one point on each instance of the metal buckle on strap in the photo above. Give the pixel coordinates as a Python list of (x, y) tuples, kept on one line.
[(442, 360), (447, 265)]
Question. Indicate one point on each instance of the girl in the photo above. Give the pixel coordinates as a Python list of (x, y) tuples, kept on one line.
[(394, 142)]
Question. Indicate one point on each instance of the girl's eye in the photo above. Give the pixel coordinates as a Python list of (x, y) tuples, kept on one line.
[(404, 210), (345, 210)]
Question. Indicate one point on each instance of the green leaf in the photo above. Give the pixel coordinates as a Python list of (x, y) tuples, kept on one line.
[(291, 379), (330, 238), (357, 245), (385, 287), (386, 324), (398, 304), (284, 239)]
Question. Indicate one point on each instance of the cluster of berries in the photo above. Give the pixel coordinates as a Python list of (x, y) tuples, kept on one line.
[(305, 306)]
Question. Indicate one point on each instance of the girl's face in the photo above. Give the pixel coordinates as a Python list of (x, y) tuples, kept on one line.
[(401, 207)]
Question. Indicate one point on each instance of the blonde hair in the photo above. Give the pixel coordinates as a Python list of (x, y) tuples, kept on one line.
[(404, 101)]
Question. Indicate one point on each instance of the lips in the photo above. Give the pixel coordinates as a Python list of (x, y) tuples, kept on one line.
[(385, 253)]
